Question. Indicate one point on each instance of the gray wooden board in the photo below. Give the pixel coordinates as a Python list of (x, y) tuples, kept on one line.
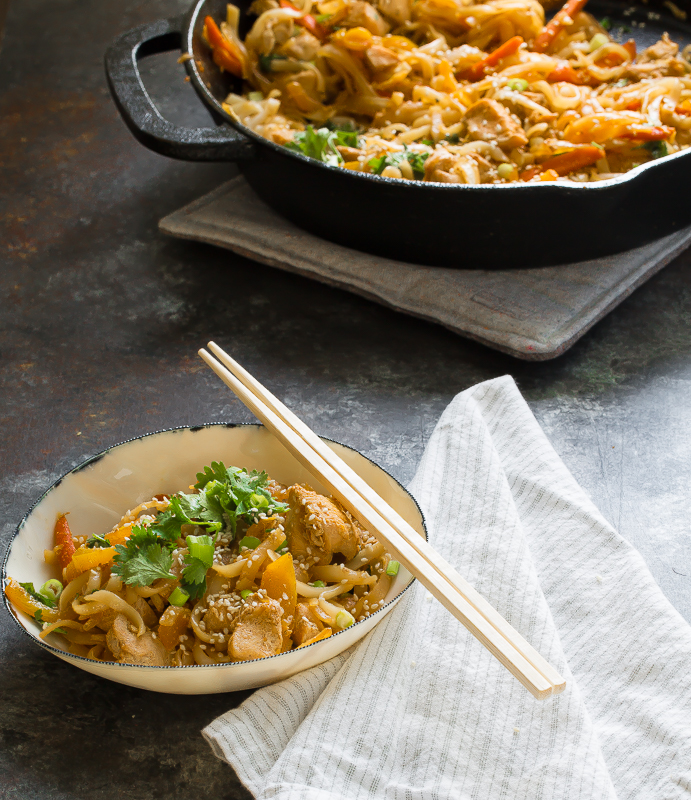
[(533, 314)]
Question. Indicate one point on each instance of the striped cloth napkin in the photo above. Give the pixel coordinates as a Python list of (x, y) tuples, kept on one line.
[(420, 711)]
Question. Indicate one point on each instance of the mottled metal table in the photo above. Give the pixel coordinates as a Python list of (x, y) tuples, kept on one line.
[(101, 320)]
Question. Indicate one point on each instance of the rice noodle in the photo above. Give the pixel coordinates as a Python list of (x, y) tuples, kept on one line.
[(104, 599)]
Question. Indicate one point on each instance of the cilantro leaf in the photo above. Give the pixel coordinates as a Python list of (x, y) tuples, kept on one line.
[(656, 149), (322, 143), (38, 616), (97, 540), (43, 599), (195, 571), (142, 559), (416, 161)]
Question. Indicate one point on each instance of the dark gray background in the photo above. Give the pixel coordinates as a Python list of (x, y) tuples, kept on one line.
[(101, 318)]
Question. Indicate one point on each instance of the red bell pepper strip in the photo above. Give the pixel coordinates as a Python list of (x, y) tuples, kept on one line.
[(64, 544), (477, 71), (565, 72), (561, 19), (657, 133), (224, 52), (308, 22)]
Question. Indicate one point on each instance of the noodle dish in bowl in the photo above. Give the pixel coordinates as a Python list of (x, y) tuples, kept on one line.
[(159, 565)]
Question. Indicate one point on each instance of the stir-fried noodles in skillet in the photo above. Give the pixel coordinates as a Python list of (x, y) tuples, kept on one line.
[(239, 569), (449, 91)]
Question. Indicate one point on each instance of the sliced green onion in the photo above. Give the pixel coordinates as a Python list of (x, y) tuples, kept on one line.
[(245, 593), (518, 84), (258, 501), (317, 583), (202, 547), (283, 548), (178, 597), (392, 568), (598, 41), (255, 97), (51, 589), (344, 619), (250, 542)]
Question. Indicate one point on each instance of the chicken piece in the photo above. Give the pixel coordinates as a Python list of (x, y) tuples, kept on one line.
[(439, 165), (316, 527), (307, 624), (349, 153), (489, 121), (658, 61), (665, 48), (304, 46), (258, 7), (258, 632), (146, 612), (397, 10), (526, 105), (364, 15), (223, 613), (104, 619), (379, 57), (128, 648)]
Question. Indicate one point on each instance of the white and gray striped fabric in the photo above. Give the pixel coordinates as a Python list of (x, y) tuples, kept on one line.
[(419, 710)]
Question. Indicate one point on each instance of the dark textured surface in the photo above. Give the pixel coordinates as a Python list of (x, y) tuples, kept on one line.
[(101, 320)]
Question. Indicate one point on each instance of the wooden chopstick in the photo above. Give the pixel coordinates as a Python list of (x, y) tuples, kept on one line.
[(448, 572), (409, 548)]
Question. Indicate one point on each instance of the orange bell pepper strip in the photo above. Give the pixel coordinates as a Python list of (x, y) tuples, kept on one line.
[(224, 52), (308, 22), (23, 601), (477, 71), (562, 19), (564, 163), (565, 73), (64, 543), (321, 635), (85, 559)]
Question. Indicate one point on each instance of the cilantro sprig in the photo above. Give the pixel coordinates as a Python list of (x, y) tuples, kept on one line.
[(322, 143), (144, 558), (416, 161), (225, 495)]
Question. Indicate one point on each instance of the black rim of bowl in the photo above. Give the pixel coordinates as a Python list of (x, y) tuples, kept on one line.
[(193, 429)]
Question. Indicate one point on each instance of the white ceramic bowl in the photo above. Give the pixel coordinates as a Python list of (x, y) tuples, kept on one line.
[(98, 492)]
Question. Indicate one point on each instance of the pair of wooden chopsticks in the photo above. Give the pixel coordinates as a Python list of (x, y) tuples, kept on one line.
[(399, 538)]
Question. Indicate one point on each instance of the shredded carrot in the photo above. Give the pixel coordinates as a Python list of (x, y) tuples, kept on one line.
[(225, 53), (654, 134), (308, 22), (563, 163), (562, 19), (477, 71), (566, 73), (64, 543)]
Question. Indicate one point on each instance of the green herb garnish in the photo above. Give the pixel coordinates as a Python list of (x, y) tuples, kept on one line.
[(97, 540), (416, 161), (606, 23), (656, 149), (322, 143), (144, 558), (41, 598)]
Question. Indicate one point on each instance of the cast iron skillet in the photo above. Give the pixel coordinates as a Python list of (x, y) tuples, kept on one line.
[(428, 223)]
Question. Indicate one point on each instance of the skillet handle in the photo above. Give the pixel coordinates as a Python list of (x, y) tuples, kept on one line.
[(142, 116)]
